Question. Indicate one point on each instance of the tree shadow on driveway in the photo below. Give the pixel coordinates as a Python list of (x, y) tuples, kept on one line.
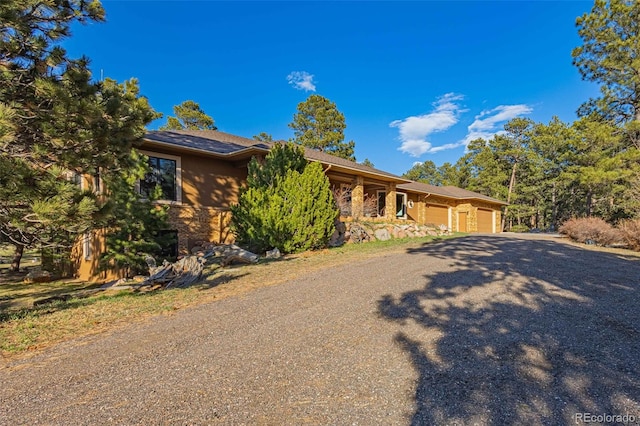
[(520, 331)]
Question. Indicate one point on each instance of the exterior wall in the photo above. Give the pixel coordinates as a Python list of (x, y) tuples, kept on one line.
[(85, 264), (413, 213), (208, 182), (200, 224), (419, 213), (208, 186)]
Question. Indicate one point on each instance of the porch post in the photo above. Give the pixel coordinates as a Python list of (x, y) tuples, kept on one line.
[(390, 202), (357, 197)]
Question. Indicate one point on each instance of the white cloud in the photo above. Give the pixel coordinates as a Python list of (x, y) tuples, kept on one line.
[(486, 125), (415, 130), (302, 80), (498, 115)]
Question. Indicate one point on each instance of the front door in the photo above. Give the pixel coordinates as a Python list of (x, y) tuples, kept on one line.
[(462, 221)]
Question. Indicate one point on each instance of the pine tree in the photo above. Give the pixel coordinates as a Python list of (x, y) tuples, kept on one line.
[(426, 172), (263, 137), (189, 116), (609, 56), (56, 123), (319, 125), (134, 226)]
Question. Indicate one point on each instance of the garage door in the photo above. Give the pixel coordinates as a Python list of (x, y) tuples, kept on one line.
[(485, 221), (438, 215)]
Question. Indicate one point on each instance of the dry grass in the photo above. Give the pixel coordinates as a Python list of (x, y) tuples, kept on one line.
[(24, 330)]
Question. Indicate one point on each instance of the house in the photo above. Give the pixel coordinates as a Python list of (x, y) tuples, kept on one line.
[(201, 173)]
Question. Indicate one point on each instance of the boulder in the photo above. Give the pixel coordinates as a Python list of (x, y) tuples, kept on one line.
[(382, 234), (38, 276), (273, 254)]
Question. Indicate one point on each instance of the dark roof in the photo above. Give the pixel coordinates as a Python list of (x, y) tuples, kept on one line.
[(210, 141), (326, 158), (447, 191), (227, 145)]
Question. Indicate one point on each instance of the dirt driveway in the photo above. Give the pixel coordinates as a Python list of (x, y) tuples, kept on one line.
[(483, 329)]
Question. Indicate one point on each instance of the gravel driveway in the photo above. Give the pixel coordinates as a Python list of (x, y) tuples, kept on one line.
[(497, 329)]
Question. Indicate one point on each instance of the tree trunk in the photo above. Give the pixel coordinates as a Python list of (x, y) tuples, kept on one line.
[(512, 183), (554, 209), (589, 203), (17, 257)]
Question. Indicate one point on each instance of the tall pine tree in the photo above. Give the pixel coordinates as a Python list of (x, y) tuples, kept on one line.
[(319, 125), (56, 124)]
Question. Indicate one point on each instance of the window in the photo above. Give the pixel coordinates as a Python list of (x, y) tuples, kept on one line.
[(75, 178), (87, 250), (382, 201), (165, 173), (97, 184), (401, 205)]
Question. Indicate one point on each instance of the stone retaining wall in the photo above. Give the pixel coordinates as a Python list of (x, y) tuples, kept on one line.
[(362, 231)]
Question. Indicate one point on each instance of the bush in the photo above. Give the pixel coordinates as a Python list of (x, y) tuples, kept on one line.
[(293, 211), (630, 232), (519, 228), (591, 230)]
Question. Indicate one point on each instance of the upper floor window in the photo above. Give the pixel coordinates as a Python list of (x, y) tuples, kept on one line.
[(165, 173)]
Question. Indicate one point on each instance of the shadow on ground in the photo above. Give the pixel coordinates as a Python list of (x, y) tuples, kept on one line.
[(521, 332)]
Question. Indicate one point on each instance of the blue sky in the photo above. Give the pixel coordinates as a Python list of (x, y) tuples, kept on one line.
[(415, 80)]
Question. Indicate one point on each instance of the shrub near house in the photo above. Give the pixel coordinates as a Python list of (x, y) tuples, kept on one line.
[(288, 204)]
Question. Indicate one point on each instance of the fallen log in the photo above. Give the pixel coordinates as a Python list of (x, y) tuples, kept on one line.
[(231, 253), (188, 270)]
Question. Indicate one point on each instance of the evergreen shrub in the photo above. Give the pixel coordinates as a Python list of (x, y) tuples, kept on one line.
[(288, 204)]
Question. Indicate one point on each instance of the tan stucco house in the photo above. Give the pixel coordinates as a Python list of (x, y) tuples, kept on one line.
[(201, 172)]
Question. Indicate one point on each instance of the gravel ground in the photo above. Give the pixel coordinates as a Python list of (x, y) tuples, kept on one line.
[(502, 329)]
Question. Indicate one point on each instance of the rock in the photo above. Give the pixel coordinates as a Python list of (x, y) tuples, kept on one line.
[(358, 234), (150, 261), (121, 281), (432, 233), (38, 276), (273, 254), (382, 234), (401, 234)]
